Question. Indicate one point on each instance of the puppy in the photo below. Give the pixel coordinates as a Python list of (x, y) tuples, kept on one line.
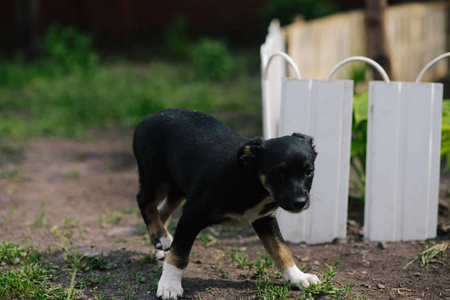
[(225, 179)]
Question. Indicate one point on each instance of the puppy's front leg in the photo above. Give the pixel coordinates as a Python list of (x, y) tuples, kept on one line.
[(270, 236)]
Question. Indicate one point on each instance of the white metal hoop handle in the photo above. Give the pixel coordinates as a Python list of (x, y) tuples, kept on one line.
[(430, 64), (287, 58), (371, 62)]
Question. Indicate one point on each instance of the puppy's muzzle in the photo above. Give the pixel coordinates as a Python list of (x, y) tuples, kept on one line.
[(299, 203)]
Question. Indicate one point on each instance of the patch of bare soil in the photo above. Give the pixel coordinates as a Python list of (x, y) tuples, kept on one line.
[(89, 188)]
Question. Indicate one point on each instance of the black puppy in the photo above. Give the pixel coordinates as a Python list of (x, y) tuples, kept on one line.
[(225, 179)]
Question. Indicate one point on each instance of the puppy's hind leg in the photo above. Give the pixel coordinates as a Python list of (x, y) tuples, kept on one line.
[(148, 199), (174, 199)]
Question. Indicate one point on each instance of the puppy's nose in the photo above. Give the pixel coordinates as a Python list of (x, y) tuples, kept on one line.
[(299, 203)]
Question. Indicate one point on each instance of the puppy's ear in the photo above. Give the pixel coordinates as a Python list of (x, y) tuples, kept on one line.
[(308, 139), (250, 151)]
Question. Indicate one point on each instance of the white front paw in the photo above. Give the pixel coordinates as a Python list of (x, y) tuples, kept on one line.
[(299, 279), (160, 254), (169, 286), (164, 242)]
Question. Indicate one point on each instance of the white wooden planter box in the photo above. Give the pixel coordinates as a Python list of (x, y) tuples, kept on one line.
[(323, 109), (403, 157)]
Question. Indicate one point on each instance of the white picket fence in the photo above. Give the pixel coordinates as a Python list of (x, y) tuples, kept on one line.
[(403, 149)]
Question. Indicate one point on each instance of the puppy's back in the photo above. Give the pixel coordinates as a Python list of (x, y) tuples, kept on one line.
[(177, 142)]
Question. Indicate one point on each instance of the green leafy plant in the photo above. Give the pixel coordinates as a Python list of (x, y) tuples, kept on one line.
[(207, 239), (262, 264), (326, 286), (242, 261), (211, 59), (445, 134), (267, 290), (176, 37), (70, 49), (359, 143)]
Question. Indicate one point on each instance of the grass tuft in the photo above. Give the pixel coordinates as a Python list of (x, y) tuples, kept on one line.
[(434, 254)]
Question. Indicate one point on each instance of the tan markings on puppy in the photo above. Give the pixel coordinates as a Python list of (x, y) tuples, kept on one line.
[(250, 215), (167, 208), (263, 179), (280, 253), (176, 261), (155, 226)]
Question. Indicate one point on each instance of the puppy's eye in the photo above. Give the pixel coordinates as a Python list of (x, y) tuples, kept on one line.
[(309, 173)]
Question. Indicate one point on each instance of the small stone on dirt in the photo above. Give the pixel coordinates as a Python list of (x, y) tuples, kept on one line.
[(382, 245), (381, 286)]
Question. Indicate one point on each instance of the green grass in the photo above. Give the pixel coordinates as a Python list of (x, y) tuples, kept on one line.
[(24, 276), (35, 101), (267, 290)]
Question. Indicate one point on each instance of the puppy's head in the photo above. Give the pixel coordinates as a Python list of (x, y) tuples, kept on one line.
[(285, 166)]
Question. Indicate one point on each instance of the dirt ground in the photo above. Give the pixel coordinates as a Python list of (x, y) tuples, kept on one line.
[(89, 187)]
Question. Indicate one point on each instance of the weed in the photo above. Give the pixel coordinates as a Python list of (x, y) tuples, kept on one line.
[(76, 260), (12, 210), (429, 255), (14, 174), (132, 210), (115, 217), (153, 285), (242, 262), (262, 264), (80, 157), (72, 175), (139, 278), (210, 290), (207, 239), (42, 220), (93, 263), (148, 259), (98, 295), (70, 222), (128, 291), (121, 240), (326, 286), (267, 290), (158, 272), (46, 160), (89, 281)]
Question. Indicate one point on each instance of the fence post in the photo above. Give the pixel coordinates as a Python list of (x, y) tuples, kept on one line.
[(403, 160), (271, 84)]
